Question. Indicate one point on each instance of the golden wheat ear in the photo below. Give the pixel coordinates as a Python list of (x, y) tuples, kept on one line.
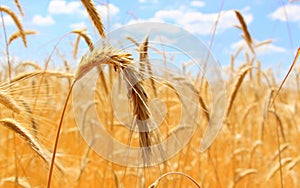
[(9, 102), (245, 30), (17, 3), (18, 34), (94, 15), (17, 22), (25, 134)]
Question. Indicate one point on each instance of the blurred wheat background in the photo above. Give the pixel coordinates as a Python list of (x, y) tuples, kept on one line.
[(256, 147)]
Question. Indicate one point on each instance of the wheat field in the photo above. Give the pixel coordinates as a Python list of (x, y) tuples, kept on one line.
[(42, 146)]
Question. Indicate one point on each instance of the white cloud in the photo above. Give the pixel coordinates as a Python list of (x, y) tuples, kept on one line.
[(292, 11), (64, 7), (197, 4), (202, 23), (103, 10), (147, 1), (260, 50), (79, 25), (75, 7), (42, 21)]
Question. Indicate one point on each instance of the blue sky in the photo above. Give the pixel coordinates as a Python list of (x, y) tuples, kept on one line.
[(265, 19)]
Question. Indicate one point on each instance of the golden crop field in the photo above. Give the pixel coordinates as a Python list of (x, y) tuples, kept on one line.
[(42, 146)]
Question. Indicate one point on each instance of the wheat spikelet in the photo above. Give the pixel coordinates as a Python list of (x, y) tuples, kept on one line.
[(17, 22), (236, 86), (19, 33), (20, 130), (95, 17), (10, 103), (246, 35), (19, 7)]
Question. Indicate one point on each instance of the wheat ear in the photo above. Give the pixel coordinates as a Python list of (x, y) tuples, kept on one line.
[(20, 130), (19, 7), (19, 33), (16, 20), (246, 35), (94, 15), (9, 102)]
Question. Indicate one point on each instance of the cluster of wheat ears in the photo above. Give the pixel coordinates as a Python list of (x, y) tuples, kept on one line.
[(41, 145)]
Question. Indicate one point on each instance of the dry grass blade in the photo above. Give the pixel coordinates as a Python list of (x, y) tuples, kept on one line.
[(94, 15), (18, 33), (9, 102), (247, 35), (19, 7), (86, 38), (237, 84), (276, 167), (20, 130), (17, 22)]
